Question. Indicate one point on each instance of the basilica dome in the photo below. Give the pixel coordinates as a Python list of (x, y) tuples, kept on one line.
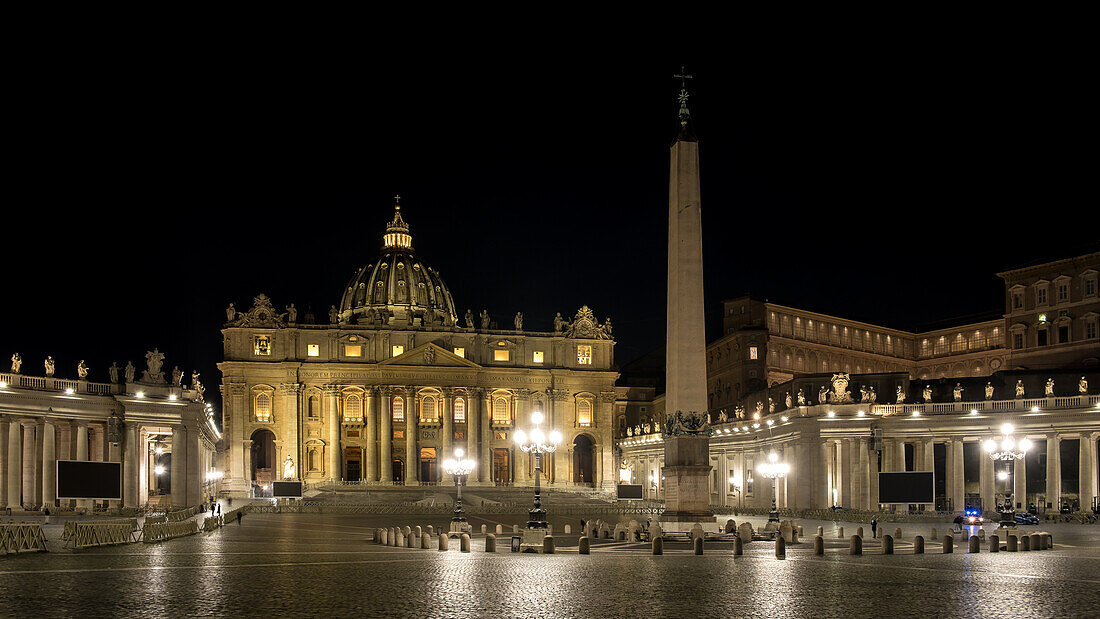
[(398, 289)]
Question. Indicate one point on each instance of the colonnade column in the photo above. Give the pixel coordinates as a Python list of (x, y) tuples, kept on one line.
[(3, 461), (822, 494), (193, 468), (899, 459), (847, 472), (131, 467), (958, 494), (333, 421), (987, 480), (1087, 472), (929, 463), (448, 424), (1019, 483), (49, 464), (15, 464), (473, 408), (412, 458), (372, 436), (1054, 471), (179, 462), (28, 462), (385, 437)]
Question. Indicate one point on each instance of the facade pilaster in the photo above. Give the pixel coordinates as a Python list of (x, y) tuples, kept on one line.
[(372, 421), (385, 436), (412, 456), (899, 458), (522, 420), (292, 423), (448, 425), (332, 420), (485, 463), (473, 416)]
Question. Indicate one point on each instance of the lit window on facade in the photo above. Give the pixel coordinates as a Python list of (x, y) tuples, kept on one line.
[(428, 410), (460, 352), (263, 407), (398, 409), (538, 357), (353, 409), (584, 354), (753, 353), (584, 413), (460, 410), (500, 355), (500, 410), (261, 345), (313, 350), (353, 350), (397, 350)]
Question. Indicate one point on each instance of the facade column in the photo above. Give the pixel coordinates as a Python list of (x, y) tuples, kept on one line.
[(473, 408), (847, 471), (873, 467), (385, 437), (246, 452), (958, 494), (1054, 472), (1019, 483), (178, 478), (291, 445), (823, 493), (412, 457), (49, 464), (371, 465), (3, 461), (861, 488), (29, 480), (485, 463), (987, 479), (448, 425), (131, 466), (929, 463), (15, 464), (333, 421), (193, 467), (522, 420), (899, 459), (1086, 476)]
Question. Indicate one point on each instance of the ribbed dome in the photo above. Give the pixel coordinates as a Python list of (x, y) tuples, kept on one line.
[(398, 289)]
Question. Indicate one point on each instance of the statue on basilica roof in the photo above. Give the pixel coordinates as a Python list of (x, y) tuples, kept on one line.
[(518, 321), (16, 363), (292, 313), (130, 372), (1083, 386), (988, 390), (485, 320), (113, 371), (1050, 388), (230, 313), (82, 370), (49, 365), (585, 326), (559, 322), (332, 314), (469, 319)]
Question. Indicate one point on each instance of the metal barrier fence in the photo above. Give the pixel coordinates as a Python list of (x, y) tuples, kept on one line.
[(212, 523), (70, 526), (568, 509), (168, 530), (91, 534), (158, 519), (16, 537), (183, 514)]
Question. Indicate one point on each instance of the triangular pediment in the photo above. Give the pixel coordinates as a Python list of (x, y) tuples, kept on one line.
[(430, 355)]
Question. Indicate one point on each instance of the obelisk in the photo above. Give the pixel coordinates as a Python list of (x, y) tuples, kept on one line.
[(686, 430)]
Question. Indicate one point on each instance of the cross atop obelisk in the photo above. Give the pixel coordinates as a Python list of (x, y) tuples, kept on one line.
[(683, 76)]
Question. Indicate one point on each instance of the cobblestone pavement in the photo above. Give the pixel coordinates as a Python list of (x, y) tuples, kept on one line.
[(325, 565)]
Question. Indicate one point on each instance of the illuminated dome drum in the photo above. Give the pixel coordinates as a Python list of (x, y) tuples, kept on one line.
[(398, 290)]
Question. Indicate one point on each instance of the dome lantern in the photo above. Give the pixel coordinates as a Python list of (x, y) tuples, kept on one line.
[(397, 231)]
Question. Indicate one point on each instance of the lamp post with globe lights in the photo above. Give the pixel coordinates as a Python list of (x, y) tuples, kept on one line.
[(773, 469), (460, 468), (1006, 448), (537, 442)]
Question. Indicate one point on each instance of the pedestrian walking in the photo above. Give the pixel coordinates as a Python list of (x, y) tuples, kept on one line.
[(219, 509), (47, 512), (238, 517), (874, 528)]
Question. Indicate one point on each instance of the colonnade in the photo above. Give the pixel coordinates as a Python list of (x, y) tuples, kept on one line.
[(29, 450)]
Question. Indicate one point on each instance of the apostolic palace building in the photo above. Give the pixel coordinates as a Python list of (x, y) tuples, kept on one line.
[(840, 400), (397, 379)]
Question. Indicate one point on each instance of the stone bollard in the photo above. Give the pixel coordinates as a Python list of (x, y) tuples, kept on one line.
[(417, 532), (994, 543), (500, 530), (584, 545), (484, 529), (407, 530), (738, 546), (897, 533), (548, 545), (515, 528), (855, 545), (658, 546), (443, 541), (568, 529), (859, 531), (1050, 541), (490, 543), (383, 537), (801, 532), (1010, 543), (425, 541), (933, 536), (948, 544), (431, 530), (1025, 542), (981, 533), (464, 543), (781, 547), (975, 544), (731, 526), (840, 532), (402, 539), (393, 536), (1045, 541), (821, 531), (887, 545), (698, 545), (1036, 542), (819, 546), (918, 545)]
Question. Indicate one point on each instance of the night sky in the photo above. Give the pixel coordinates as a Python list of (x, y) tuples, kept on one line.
[(145, 191)]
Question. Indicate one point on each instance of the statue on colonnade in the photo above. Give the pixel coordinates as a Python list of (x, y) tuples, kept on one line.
[(16, 363)]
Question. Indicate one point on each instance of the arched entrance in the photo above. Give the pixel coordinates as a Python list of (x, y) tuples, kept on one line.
[(263, 456), (584, 472), (398, 471)]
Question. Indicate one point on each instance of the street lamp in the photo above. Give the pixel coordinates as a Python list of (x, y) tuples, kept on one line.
[(460, 468), (1005, 448), (538, 443), (773, 469)]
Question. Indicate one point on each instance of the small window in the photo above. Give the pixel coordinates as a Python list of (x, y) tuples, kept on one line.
[(1017, 301), (313, 350), (261, 345), (1041, 296), (353, 409), (1090, 286), (584, 354), (397, 350), (1090, 330), (355, 350), (584, 413), (500, 355), (1017, 340), (460, 410), (538, 357), (263, 407), (427, 410), (754, 353), (1063, 334), (500, 410), (460, 352), (1042, 337), (1063, 292), (398, 409), (313, 408)]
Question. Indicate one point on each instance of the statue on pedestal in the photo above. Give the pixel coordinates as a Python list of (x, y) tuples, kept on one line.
[(787, 400), (759, 409), (840, 393), (1082, 386), (113, 371), (230, 313), (518, 321), (958, 392), (722, 417), (739, 411), (900, 395), (82, 370), (1019, 388), (864, 394), (871, 394), (177, 376), (559, 323), (485, 319), (49, 365), (1050, 388), (288, 468), (801, 398), (154, 359), (607, 326), (771, 405), (823, 395), (989, 391), (291, 316), (129, 372), (927, 393), (17, 363), (332, 314), (629, 431)]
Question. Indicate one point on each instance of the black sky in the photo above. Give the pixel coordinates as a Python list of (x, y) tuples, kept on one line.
[(888, 182)]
